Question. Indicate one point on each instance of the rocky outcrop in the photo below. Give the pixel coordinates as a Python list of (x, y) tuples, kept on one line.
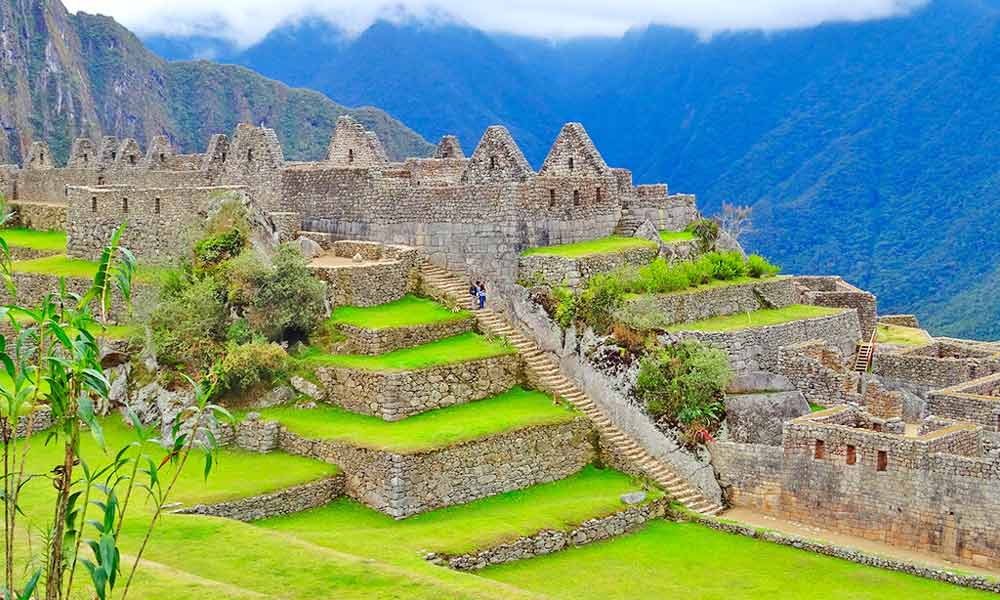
[(757, 418)]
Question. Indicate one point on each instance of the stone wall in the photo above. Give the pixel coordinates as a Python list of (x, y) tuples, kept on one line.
[(362, 340), (682, 307), (977, 401), (936, 365), (274, 504), (758, 349), (157, 218), (548, 541), (402, 485), (395, 395), (835, 292), (575, 271), (901, 320), (820, 372), (33, 287), (43, 217), (39, 420), (385, 274), (936, 492)]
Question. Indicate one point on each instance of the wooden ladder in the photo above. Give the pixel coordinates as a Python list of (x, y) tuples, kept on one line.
[(866, 353), (549, 375)]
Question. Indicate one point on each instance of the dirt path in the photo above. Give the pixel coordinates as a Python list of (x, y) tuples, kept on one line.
[(756, 519)]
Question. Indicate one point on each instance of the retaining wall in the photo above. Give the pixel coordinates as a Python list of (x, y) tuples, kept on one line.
[(362, 340), (291, 500), (575, 271)]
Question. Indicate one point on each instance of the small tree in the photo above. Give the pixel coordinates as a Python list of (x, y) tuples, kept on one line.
[(735, 220), (53, 359)]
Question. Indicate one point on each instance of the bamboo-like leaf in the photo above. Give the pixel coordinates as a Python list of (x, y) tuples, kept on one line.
[(28, 591)]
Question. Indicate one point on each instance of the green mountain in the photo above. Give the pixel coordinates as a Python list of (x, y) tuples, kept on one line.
[(67, 75)]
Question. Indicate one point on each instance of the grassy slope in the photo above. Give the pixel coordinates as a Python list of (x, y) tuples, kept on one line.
[(36, 240), (407, 311), (902, 336), (676, 236), (757, 318), (458, 348), (601, 246), (682, 560), (59, 265), (511, 410), (561, 504)]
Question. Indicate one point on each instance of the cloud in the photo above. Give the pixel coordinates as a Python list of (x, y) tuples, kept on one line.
[(244, 22)]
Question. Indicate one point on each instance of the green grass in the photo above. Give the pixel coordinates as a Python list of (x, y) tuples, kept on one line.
[(671, 237), (902, 336), (685, 560), (601, 246), (74, 268), (561, 505), (54, 241), (405, 312), (458, 348), (757, 318), (813, 407), (514, 409)]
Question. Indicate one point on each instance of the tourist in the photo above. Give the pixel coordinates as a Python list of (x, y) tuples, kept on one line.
[(474, 289), (481, 294)]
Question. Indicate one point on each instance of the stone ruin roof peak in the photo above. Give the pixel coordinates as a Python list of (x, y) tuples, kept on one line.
[(573, 153)]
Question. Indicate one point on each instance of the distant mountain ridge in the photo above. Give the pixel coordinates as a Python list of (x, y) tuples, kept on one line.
[(68, 75), (870, 150)]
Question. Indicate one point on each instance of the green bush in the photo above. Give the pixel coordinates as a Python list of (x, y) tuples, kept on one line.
[(281, 300), (212, 251), (565, 306), (726, 265), (604, 293), (246, 365), (697, 272), (189, 324), (684, 384), (707, 232), (757, 266), (660, 277)]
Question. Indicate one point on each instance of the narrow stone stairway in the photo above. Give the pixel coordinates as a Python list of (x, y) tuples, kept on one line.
[(548, 373), (627, 225)]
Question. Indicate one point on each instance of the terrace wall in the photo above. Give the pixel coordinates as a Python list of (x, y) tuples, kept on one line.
[(759, 348), (937, 365), (395, 395), (402, 485), (976, 401), (835, 292), (291, 500), (575, 271), (43, 217), (362, 340)]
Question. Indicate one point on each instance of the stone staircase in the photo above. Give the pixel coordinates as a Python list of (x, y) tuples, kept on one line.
[(627, 225), (550, 376)]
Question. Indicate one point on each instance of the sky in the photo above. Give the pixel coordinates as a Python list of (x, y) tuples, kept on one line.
[(245, 22)]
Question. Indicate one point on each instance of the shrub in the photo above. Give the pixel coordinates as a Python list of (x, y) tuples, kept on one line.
[(246, 365), (281, 300), (605, 293), (660, 277), (189, 323), (707, 233), (564, 311), (726, 265), (697, 272), (757, 266), (683, 384)]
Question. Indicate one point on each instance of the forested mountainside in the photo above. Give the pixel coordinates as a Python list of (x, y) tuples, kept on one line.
[(67, 75), (870, 150)]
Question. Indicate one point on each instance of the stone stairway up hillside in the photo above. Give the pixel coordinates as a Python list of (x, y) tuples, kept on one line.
[(627, 225), (550, 376)]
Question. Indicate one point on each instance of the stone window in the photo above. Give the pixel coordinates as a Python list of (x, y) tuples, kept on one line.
[(576, 197), (93, 204), (66, 191), (250, 154), (223, 157), (41, 157), (100, 180), (571, 163), (598, 194), (882, 461), (131, 159), (114, 155), (84, 157), (350, 155), (124, 205), (13, 192), (552, 198), (493, 162), (163, 157), (156, 206), (852, 455), (820, 451)]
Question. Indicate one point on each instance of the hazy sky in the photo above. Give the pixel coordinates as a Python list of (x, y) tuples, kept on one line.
[(247, 21)]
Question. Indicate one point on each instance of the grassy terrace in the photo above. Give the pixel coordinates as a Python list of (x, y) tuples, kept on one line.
[(459, 348), (902, 336), (684, 560), (408, 311), (54, 241), (672, 237), (514, 409), (606, 245), (73, 268), (562, 504), (757, 318)]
